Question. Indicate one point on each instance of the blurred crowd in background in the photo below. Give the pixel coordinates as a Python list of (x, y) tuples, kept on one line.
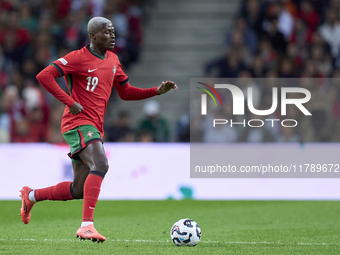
[(34, 33), (284, 39), (268, 39)]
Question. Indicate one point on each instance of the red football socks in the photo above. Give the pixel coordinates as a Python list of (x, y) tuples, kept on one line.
[(60, 192), (91, 194), (63, 191)]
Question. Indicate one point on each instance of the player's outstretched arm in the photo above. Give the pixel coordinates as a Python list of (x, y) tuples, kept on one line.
[(127, 92), (166, 86)]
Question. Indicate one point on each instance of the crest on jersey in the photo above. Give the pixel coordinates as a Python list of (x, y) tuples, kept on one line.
[(114, 69), (90, 134)]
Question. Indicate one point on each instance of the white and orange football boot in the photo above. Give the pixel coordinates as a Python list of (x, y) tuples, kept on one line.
[(89, 233)]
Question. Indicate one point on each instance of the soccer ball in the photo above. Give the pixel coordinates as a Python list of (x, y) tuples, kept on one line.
[(185, 232)]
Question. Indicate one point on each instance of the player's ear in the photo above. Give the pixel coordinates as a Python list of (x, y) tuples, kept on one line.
[(92, 36)]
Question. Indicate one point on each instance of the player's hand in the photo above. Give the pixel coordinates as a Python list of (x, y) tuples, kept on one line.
[(166, 86), (76, 108)]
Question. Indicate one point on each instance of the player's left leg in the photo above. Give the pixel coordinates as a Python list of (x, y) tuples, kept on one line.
[(26, 204), (63, 191)]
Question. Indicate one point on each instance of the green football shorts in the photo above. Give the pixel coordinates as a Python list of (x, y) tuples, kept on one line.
[(79, 137)]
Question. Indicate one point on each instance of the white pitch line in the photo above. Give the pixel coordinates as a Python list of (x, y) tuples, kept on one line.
[(167, 241)]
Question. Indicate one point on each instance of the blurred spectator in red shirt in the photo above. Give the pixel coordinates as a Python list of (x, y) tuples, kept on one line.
[(63, 9), (308, 13)]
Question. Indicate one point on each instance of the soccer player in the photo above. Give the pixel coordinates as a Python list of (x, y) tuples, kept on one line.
[(90, 74)]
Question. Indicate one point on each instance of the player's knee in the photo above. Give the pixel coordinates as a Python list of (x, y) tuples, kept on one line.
[(104, 167), (101, 166)]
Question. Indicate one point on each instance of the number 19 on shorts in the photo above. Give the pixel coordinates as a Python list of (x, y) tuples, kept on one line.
[(91, 81)]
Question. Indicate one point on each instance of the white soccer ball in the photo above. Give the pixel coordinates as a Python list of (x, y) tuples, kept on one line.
[(185, 232)]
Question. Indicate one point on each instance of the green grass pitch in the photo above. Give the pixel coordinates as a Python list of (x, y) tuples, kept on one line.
[(142, 227)]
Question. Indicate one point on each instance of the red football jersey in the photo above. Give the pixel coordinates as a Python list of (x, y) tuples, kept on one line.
[(90, 79)]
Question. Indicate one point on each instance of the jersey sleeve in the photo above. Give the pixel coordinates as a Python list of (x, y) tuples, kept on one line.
[(127, 92), (46, 79), (120, 77), (68, 64)]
